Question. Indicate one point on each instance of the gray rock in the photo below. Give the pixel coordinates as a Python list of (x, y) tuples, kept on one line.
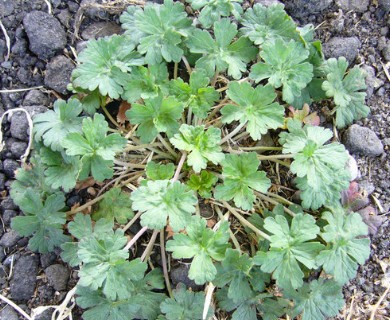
[(9, 167), (45, 315), (367, 186), (7, 7), (17, 148), (35, 98), (45, 34), (363, 141), (267, 3), (386, 51), (8, 204), (81, 45), (8, 313), (180, 274), (57, 276), (48, 259), (2, 254), (2, 181), (304, 8), (58, 73), (100, 29), (19, 125), (352, 167), (3, 50), (64, 17), (353, 5), (9, 239), (22, 284), (91, 10), (8, 215), (372, 82), (385, 5), (342, 47)]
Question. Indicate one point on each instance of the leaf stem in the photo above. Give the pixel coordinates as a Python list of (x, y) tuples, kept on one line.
[(180, 166), (142, 146), (131, 222), (233, 133), (232, 236), (164, 263), (189, 114), (149, 247), (280, 198), (217, 108), (167, 146), (129, 165), (186, 63), (135, 238), (175, 70), (270, 200), (276, 156), (213, 83), (85, 206), (109, 116)]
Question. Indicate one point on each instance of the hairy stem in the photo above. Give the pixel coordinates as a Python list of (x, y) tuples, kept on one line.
[(186, 63), (85, 206), (109, 116), (131, 222), (180, 166), (164, 263), (135, 238), (233, 133), (232, 236), (167, 146), (270, 200), (175, 70), (149, 247)]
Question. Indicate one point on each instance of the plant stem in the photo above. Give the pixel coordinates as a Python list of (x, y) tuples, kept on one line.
[(129, 165), (233, 133), (135, 238), (280, 198), (189, 114), (213, 83), (266, 148), (217, 108), (270, 200), (149, 247), (85, 206), (167, 146), (164, 263), (109, 116), (180, 166), (245, 222), (131, 222), (142, 146), (186, 63), (175, 70), (232, 236), (276, 156)]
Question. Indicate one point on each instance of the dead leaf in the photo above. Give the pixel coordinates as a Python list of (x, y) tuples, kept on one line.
[(121, 117), (169, 231), (89, 182), (371, 219)]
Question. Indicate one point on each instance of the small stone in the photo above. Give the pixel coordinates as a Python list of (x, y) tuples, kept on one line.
[(342, 47), (22, 284), (372, 82), (93, 11), (58, 73), (2, 255), (45, 34), (386, 52), (9, 239), (8, 314), (352, 167), (2, 181), (57, 276), (100, 29), (48, 259), (35, 98), (8, 215), (353, 5), (8, 204), (64, 17), (7, 7), (265, 141), (362, 140), (366, 187), (9, 167), (385, 5), (180, 274), (305, 8), (19, 123), (18, 148)]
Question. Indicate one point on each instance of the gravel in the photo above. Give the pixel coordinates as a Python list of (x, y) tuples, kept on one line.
[(57, 276), (341, 46), (58, 73), (363, 141), (24, 278)]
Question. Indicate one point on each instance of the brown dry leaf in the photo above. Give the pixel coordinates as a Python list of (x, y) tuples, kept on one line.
[(89, 182), (211, 223), (169, 231), (121, 117)]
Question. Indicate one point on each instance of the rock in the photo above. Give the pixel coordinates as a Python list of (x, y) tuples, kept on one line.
[(58, 73), (3, 50), (57, 276), (9, 239), (2, 181), (180, 274), (384, 5), (45, 34), (386, 51), (19, 48), (45, 315), (19, 123), (8, 204), (367, 186), (352, 167), (8, 215), (17, 148), (9, 167), (342, 47), (267, 3), (7, 7), (100, 29), (91, 10), (372, 82), (35, 98), (64, 17), (265, 141), (22, 284), (371, 219), (8, 313), (353, 5), (48, 259), (304, 8), (2, 255), (363, 141)]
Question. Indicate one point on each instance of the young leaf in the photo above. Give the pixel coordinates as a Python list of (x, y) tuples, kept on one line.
[(346, 90), (159, 30), (289, 246), (284, 66), (53, 125), (318, 300), (240, 179), (146, 83), (345, 247), (319, 166), (203, 245), (115, 205), (105, 65), (213, 10), (196, 95), (157, 115), (263, 24), (223, 53), (62, 170), (254, 106), (92, 102), (202, 145), (186, 305), (202, 183), (96, 148), (42, 220), (156, 171), (162, 199)]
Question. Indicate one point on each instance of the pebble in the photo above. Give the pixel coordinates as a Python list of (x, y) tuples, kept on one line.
[(9, 239), (58, 73), (35, 98), (385, 5), (22, 284), (91, 11), (17, 148), (362, 140), (2, 181), (8, 204), (352, 167), (305, 8), (9, 167), (372, 82), (19, 123), (180, 274), (8, 313), (8, 215), (100, 29), (45, 34), (353, 5), (47, 259), (57, 276), (342, 47)]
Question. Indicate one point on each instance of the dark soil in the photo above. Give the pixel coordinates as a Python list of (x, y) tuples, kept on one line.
[(357, 29)]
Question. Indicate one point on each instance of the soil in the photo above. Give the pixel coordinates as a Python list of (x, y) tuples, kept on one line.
[(356, 29)]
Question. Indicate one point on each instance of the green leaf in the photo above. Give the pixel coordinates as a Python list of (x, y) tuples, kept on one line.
[(284, 66), (202, 145), (92, 102), (186, 305), (53, 125), (62, 170), (290, 246), (202, 183), (96, 148), (255, 107), (319, 166), (42, 220), (203, 245), (157, 171), (240, 179), (159, 30), (146, 83), (346, 248), (105, 65), (347, 90), (223, 53), (115, 205), (213, 10), (161, 199), (317, 300), (263, 24), (196, 94), (157, 115)]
